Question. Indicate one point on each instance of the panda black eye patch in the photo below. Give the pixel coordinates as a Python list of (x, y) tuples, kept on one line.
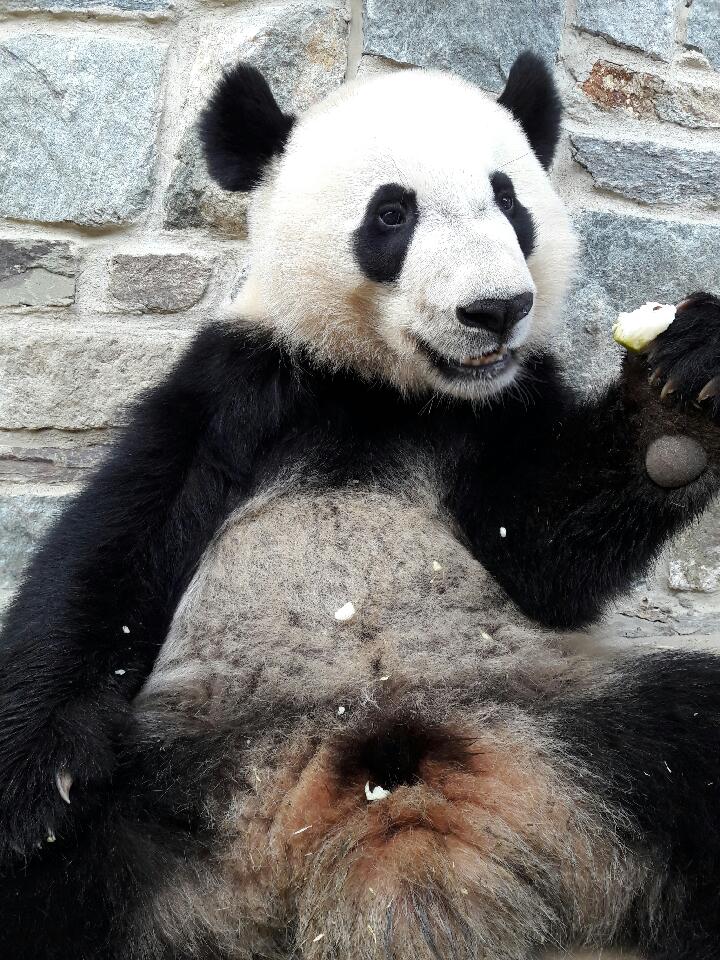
[(518, 214), (381, 241)]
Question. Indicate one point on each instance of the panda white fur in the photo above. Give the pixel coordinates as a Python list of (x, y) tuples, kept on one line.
[(335, 551)]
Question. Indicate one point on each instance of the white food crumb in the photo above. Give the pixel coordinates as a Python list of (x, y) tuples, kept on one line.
[(318, 937), (503, 532), (341, 711), (126, 629), (51, 837), (120, 673), (377, 793), (383, 679), (437, 566), (345, 613), (485, 635), (638, 328)]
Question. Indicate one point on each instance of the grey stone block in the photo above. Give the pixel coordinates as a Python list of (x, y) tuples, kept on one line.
[(694, 558), (300, 46), (703, 29), (650, 171), (160, 283), (48, 465), (79, 378), (80, 117), (647, 25), (477, 40), (154, 8), (36, 273), (695, 105), (626, 261), (23, 519)]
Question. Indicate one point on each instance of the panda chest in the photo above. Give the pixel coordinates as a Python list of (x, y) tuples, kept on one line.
[(339, 578)]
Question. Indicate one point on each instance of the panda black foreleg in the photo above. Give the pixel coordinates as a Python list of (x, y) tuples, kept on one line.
[(97, 599), (650, 733), (567, 482), (125, 879)]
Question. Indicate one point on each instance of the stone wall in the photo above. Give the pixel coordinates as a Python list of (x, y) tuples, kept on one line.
[(114, 247)]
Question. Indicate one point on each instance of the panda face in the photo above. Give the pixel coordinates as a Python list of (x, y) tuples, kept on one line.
[(407, 229)]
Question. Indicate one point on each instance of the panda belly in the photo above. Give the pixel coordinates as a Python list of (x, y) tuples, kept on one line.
[(421, 699), (312, 594)]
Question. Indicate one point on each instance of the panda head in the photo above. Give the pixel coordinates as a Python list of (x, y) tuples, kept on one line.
[(405, 227)]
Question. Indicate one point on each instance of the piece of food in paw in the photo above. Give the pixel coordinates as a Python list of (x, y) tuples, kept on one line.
[(673, 462), (638, 328)]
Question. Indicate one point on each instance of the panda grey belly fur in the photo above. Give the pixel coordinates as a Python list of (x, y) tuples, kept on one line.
[(260, 611), (437, 666)]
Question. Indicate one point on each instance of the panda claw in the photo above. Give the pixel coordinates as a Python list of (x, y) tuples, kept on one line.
[(711, 389), (63, 781), (669, 388), (655, 377)]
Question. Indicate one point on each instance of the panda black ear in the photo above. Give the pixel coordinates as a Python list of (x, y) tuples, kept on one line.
[(242, 128), (532, 97)]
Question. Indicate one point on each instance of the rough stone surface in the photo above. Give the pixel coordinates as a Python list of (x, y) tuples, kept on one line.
[(703, 29), (300, 47), (626, 261), (48, 465), (160, 283), (650, 171), (695, 105), (90, 160), (613, 87), (154, 8), (23, 518), (81, 378), (694, 558), (36, 273), (477, 40), (648, 25)]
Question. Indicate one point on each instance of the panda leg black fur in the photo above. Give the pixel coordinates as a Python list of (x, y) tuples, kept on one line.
[(568, 481), (117, 882), (83, 631), (650, 731)]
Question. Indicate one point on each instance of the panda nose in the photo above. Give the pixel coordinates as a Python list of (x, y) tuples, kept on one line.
[(497, 316)]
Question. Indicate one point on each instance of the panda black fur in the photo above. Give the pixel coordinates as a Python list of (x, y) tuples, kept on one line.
[(382, 406)]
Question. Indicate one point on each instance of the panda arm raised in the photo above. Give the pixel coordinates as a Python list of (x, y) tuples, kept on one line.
[(567, 480), (97, 599)]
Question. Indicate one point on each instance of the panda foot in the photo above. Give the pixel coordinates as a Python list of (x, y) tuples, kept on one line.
[(685, 358), (46, 773)]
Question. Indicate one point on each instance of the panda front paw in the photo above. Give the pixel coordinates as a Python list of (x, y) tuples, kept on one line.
[(47, 772), (685, 359)]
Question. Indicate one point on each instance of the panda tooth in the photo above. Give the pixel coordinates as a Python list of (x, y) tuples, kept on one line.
[(483, 360)]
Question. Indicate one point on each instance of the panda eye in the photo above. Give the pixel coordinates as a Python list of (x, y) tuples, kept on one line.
[(392, 215), (506, 201)]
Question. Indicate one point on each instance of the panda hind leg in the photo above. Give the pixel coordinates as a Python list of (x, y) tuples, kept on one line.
[(649, 732)]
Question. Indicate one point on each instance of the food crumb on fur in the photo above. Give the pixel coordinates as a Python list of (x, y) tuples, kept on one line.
[(345, 613), (377, 793)]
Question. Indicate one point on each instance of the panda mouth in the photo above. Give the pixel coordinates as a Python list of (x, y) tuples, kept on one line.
[(478, 366)]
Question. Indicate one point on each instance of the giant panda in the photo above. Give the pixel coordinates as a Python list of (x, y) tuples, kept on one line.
[(288, 678)]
